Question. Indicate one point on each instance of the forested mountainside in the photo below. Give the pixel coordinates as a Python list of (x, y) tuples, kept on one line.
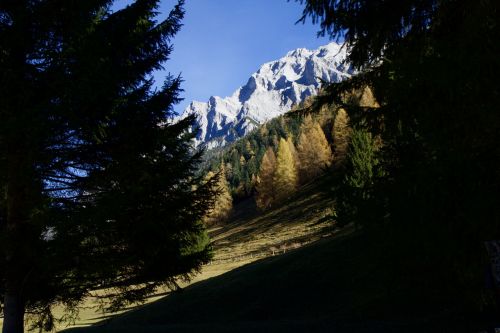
[(291, 149)]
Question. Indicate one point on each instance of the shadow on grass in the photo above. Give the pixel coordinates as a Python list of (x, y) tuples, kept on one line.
[(341, 284)]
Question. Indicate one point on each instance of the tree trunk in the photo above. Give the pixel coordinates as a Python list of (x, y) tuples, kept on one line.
[(19, 176), (16, 246), (13, 321)]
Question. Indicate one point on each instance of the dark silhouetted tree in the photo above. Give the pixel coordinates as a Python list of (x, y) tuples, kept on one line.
[(433, 66), (355, 194), (97, 183)]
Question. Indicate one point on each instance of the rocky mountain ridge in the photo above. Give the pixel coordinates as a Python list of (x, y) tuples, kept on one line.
[(271, 91)]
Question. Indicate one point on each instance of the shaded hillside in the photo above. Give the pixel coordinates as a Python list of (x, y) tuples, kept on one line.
[(346, 282), (339, 284), (247, 237)]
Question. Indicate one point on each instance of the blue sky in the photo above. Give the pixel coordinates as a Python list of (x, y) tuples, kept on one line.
[(223, 42)]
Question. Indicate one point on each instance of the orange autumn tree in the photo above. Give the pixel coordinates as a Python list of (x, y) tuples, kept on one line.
[(265, 180), (314, 151)]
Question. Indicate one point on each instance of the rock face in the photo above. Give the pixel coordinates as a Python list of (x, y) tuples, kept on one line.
[(270, 92)]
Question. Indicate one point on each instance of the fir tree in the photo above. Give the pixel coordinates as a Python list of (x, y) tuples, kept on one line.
[(356, 191), (97, 183), (433, 66)]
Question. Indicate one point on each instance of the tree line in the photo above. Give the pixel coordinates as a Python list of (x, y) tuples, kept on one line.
[(272, 161)]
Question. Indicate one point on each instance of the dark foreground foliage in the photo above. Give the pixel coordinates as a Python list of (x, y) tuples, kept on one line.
[(434, 67), (343, 284), (98, 187)]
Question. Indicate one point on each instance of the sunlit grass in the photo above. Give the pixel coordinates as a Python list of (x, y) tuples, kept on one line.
[(248, 236)]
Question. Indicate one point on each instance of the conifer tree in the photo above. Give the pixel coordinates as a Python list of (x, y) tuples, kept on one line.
[(355, 193), (265, 181), (97, 183), (285, 177), (433, 66), (223, 202), (340, 133), (294, 152), (314, 151)]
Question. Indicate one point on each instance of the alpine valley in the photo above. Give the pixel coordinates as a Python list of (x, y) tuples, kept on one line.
[(273, 90)]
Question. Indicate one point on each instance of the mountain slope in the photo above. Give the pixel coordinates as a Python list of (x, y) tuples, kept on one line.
[(271, 91), (302, 276), (338, 284)]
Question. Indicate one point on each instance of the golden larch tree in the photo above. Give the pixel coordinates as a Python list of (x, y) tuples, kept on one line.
[(285, 177), (314, 151), (223, 203), (295, 153), (265, 180), (341, 133)]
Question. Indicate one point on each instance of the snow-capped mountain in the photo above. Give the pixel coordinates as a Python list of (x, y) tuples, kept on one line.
[(270, 92)]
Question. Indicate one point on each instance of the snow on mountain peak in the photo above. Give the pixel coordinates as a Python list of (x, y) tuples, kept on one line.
[(271, 91)]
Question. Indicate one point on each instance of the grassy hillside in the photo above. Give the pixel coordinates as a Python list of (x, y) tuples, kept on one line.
[(290, 270), (249, 236), (318, 280), (338, 284)]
